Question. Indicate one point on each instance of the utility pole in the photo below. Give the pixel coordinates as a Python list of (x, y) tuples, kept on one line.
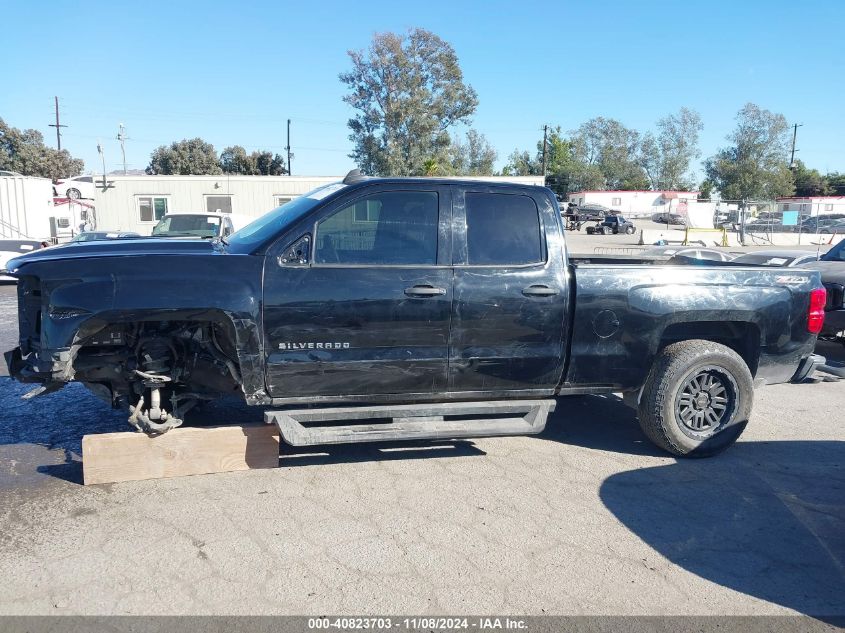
[(545, 135), (58, 125), (121, 136), (288, 149), (103, 156), (794, 136)]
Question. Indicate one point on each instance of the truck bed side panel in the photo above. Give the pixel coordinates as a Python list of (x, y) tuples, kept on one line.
[(625, 314)]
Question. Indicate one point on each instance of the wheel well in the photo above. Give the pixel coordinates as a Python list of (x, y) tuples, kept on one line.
[(741, 336)]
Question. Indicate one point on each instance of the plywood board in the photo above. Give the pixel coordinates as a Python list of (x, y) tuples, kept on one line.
[(114, 457)]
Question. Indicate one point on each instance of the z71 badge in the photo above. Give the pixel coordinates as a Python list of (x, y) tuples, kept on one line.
[(313, 345)]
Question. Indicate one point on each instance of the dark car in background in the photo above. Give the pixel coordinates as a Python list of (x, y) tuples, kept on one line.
[(821, 223), (612, 224), (832, 267), (671, 218)]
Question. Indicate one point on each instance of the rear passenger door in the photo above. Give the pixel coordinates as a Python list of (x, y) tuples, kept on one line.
[(509, 315)]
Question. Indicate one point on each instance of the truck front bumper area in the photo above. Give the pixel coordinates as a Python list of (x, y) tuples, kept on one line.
[(41, 367)]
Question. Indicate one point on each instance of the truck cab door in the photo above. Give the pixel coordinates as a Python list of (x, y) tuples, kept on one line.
[(511, 304), (357, 300)]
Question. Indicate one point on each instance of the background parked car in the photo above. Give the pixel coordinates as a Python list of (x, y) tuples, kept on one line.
[(204, 225), (816, 224), (671, 218), (775, 258), (75, 188), (6, 172), (832, 267), (14, 248), (681, 254), (837, 227), (592, 212), (612, 224), (95, 236)]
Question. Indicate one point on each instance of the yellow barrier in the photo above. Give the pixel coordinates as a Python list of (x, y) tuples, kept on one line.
[(723, 231)]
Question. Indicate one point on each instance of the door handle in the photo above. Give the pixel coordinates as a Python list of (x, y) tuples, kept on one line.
[(424, 291), (538, 290)]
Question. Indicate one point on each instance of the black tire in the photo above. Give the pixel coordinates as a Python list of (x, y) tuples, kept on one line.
[(629, 230), (74, 194), (697, 399)]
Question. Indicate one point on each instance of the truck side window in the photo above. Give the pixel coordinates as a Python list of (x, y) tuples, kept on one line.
[(502, 229), (387, 228)]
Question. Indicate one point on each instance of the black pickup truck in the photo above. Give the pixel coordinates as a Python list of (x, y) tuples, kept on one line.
[(392, 291)]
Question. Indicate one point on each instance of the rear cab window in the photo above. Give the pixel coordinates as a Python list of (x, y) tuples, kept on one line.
[(503, 229)]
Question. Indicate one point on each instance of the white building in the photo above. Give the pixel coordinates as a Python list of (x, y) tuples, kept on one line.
[(637, 203), (812, 206), (136, 203)]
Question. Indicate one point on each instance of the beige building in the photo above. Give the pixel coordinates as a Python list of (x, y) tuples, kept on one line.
[(136, 203)]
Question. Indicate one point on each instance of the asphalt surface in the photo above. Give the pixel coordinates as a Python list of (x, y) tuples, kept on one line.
[(588, 518)]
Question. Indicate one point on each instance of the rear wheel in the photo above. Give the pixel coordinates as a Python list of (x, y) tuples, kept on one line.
[(697, 398), (74, 194)]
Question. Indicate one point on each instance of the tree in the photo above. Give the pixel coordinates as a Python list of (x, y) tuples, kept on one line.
[(408, 90), (612, 149), (705, 190), (24, 151), (185, 157), (235, 160), (269, 164), (754, 166), (809, 182), (474, 157), (521, 163), (666, 158), (836, 183)]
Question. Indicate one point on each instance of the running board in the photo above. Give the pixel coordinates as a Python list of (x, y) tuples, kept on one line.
[(446, 420)]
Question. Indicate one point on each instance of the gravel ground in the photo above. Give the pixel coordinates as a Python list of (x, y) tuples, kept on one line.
[(587, 518)]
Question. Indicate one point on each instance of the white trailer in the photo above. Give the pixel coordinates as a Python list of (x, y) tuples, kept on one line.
[(27, 211)]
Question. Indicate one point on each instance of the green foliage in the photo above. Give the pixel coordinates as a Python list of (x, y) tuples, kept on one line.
[(472, 157), (408, 90), (836, 183), (186, 157), (809, 182), (754, 166), (235, 160), (705, 190), (24, 151), (612, 150), (666, 158), (522, 164)]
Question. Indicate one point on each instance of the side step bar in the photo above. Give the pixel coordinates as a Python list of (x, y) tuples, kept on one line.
[(448, 420)]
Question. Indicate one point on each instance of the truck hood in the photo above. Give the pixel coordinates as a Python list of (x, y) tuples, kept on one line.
[(832, 272), (114, 248)]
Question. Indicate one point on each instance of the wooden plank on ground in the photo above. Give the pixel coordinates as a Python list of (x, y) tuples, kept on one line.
[(113, 457)]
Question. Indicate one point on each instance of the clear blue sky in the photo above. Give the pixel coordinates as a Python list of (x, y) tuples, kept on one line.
[(233, 72)]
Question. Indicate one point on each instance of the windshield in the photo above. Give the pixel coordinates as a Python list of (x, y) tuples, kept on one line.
[(835, 254), (187, 225), (271, 224)]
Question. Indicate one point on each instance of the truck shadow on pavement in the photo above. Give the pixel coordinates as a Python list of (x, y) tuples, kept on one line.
[(766, 519)]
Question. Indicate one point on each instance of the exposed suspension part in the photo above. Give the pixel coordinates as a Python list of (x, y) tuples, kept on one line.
[(157, 358)]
